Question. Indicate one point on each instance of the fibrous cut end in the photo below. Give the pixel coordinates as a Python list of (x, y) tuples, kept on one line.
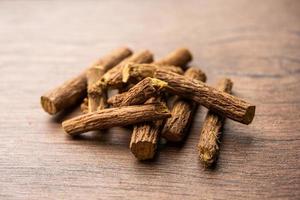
[(250, 113), (48, 105), (143, 150), (137, 71), (208, 151), (127, 70), (207, 158)]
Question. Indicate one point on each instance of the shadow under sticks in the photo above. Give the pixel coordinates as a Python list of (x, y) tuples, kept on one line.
[(114, 136), (150, 162), (66, 114)]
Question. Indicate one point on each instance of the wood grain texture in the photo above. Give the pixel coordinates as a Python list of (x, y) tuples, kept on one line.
[(254, 43)]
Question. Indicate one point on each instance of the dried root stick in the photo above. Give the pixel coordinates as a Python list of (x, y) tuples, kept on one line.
[(111, 117), (74, 90), (208, 143), (182, 112)]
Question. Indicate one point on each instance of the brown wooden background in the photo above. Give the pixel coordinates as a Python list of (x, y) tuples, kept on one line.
[(255, 43)]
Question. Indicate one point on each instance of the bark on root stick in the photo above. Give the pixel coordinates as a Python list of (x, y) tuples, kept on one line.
[(179, 57), (221, 102), (138, 94), (132, 72), (182, 112), (74, 90), (145, 136), (113, 77), (111, 117), (208, 143), (97, 96), (126, 87)]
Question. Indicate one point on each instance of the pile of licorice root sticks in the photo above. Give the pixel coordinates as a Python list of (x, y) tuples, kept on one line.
[(158, 98)]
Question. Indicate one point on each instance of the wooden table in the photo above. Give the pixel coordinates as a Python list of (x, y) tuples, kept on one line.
[(255, 43)]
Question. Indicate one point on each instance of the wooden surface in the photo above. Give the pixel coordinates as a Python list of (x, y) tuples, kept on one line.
[(255, 43)]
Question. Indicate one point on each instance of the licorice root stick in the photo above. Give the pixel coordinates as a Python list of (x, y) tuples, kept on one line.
[(74, 90), (182, 112), (138, 94), (113, 77), (111, 117), (145, 136), (221, 102), (208, 143)]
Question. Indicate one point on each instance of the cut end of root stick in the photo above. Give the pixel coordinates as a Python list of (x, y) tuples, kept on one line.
[(250, 113), (143, 150), (186, 52), (206, 158), (65, 127), (48, 105), (138, 71), (126, 72)]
